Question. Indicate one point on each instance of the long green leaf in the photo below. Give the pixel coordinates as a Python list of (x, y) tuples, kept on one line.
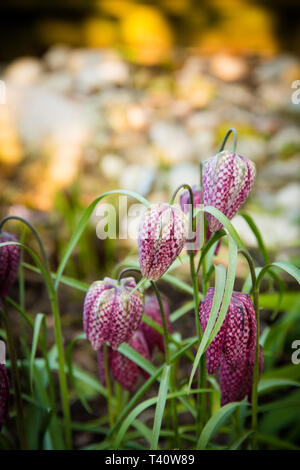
[(227, 224), (215, 422), (137, 358), (160, 406), (257, 235), (39, 320), (284, 265), (217, 299)]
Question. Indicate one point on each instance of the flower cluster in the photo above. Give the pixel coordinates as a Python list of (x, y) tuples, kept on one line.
[(232, 351)]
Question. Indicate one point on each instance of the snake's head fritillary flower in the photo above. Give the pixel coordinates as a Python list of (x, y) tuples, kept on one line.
[(4, 395), (184, 204), (232, 350), (10, 256), (111, 312), (162, 234), (125, 371), (227, 182), (152, 310)]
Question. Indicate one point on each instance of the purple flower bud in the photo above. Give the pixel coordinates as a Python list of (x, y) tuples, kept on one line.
[(10, 256), (227, 182), (125, 371), (233, 349), (184, 203), (162, 235), (4, 395), (110, 313), (152, 310)]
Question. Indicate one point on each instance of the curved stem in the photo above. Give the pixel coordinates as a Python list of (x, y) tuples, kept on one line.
[(15, 378), (192, 222), (33, 230), (233, 131), (255, 290), (108, 386)]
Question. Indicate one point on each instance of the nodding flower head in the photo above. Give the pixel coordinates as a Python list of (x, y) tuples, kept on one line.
[(4, 395), (227, 182), (152, 311), (162, 234), (233, 349), (10, 256), (184, 203), (125, 371), (111, 313)]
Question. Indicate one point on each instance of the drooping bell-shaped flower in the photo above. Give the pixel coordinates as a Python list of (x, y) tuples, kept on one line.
[(111, 313), (184, 203), (152, 310), (227, 181), (125, 371), (10, 256), (162, 234), (232, 350), (4, 395)]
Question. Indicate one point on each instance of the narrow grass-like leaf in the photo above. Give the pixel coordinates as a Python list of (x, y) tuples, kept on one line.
[(137, 358), (284, 265), (39, 320), (229, 284), (160, 406), (217, 299), (240, 440), (215, 422), (258, 236), (270, 384)]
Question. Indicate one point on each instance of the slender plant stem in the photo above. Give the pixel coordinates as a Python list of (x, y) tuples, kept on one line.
[(254, 397), (108, 386), (15, 378), (233, 131), (168, 361)]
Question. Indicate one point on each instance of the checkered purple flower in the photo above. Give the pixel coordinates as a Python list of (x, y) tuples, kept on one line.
[(227, 182), (4, 395), (111, 313), (10, 256), (162, 235), (232, 350), (152, 310), (125, 371)]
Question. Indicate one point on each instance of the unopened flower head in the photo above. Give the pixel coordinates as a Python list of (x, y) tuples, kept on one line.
[(4, 395), (232, 350), (152, 310), (111, 313), (10, 256), (227, 182), (125, 371), (162, 234)]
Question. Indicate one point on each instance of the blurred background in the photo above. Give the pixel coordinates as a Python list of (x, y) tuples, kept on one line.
[(106, 94)]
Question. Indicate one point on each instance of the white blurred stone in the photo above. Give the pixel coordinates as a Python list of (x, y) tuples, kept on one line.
[(57, 57), (283, 138), (276, 230), (112, 165), (253, 148), (172, 142), (228, 68), (137, 178), (184, 173), (288, 198), (23, 72)]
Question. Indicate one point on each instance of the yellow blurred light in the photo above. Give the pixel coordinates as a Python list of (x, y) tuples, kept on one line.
[(147, 35), (99, 32)]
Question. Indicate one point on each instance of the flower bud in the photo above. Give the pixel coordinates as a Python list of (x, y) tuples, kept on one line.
[(152, 311), (125, 371), (111, 313), (4, 395), (227, 182), (233, 349), (162, 234), (10, 256)]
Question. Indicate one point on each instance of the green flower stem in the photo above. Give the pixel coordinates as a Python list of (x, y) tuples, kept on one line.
[(233, 131), (108, 386), (168, 361), (201, 398), (254, 397), (15, 379)]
